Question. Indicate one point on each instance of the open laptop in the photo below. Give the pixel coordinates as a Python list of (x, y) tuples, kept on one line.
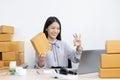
[(90, 61)]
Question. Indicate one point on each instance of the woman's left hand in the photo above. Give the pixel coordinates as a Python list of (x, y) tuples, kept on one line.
[(77, 41)]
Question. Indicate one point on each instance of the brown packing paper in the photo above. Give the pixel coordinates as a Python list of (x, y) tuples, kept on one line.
[(6, 29), (40, 43)]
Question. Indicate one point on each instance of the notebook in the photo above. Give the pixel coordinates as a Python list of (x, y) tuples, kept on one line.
[(40, 43)]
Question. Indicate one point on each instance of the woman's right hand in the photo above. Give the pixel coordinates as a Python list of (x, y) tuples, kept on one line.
[(41, 57)]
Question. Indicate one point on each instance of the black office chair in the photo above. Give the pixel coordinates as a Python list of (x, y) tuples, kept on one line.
[(69, 63)]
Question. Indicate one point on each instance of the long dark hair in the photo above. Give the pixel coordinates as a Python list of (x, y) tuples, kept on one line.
[(48, 22)]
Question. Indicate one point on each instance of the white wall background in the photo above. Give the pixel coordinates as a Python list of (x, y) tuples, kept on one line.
[(96, 20)]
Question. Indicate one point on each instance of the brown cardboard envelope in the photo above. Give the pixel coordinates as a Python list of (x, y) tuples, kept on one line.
[(40, 43)]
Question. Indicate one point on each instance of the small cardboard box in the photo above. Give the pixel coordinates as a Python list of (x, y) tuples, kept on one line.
[(109, 73), (17, 46), (110, 60), (113, 46), (14, 46), (13, 56), (6, 37), (10, 55), (21, 57), (1, 64), (6, 29), (6, 63), (40, 43), (18, 62), (5, 47)]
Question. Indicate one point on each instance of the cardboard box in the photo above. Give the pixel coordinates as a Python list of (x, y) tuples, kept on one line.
[(21, 58), (5, 46), (113, 46), (7, 29), (40, 43), (17, 46), (109, 73), (13, 56), (6, 37), (18, 63), (10, 55), (6, 63), (1, 64), (14, 46), (110, 60)]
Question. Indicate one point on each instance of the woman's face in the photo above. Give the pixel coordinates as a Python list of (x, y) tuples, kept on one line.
[(53, 31)]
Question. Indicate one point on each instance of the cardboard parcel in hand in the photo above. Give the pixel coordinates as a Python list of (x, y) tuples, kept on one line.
[(40, 43)]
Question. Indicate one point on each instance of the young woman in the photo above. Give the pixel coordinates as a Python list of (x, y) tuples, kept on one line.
[(60, 52)]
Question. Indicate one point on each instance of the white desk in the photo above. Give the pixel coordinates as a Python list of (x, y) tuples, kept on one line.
[(33, 75)]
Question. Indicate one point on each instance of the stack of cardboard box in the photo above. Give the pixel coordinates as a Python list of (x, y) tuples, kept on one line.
[(110, 62), (10, 50)]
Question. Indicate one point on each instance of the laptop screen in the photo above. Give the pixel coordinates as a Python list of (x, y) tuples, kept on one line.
[(90, 61)]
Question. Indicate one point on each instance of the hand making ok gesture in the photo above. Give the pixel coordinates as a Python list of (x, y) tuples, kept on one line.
[(77, 42)]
